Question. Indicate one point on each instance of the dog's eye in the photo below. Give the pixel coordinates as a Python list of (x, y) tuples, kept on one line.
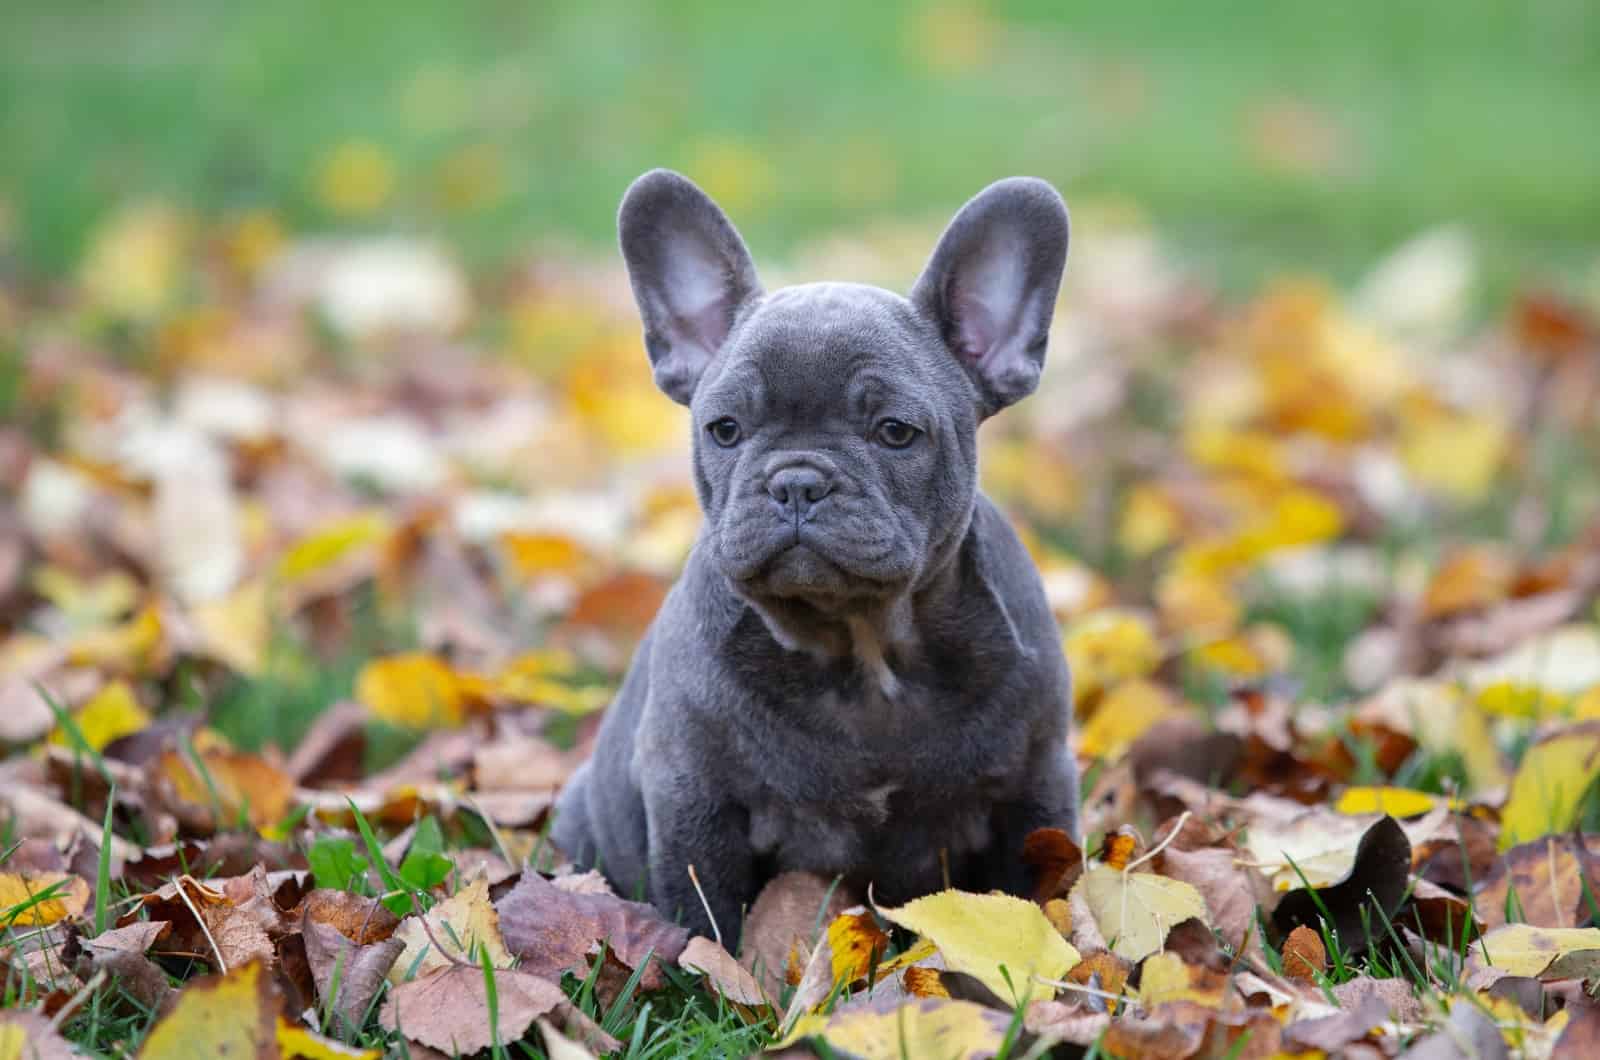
[(725, 432), (897, 435)]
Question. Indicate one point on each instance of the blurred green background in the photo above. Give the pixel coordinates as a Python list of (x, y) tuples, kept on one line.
[(1258, 136)]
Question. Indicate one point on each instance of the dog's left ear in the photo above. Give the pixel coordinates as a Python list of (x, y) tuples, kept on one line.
[(691, 275), (991, 285)]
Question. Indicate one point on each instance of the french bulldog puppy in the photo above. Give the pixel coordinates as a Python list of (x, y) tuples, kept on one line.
[(857, 674)]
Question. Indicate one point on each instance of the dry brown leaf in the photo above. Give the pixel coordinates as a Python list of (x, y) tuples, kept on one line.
[(553, 931), (725, 974), (27, 1035), (357, 970), (1304, 955), (224, 788), (448, 1008)]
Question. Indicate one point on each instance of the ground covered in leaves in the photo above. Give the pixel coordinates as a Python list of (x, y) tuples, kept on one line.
[(319, 561)]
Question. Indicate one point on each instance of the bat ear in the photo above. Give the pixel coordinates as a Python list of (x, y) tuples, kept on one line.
[(690, 272), (991, 285)]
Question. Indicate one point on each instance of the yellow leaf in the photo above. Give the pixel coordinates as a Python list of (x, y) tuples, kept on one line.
[(1107, 647), (232, 1015), (1548, 789), (131, 267), (1126, 713), (1396, 802), (1150, 521), (533, 555), (236, 628), (413, 689), (1524, 949), (20, 905), (920, 1027), (1199, 606), (1135, 910), (130, 647), (1539, 677), (87, 602), (982, 933), (355, 178), (331, 543), (854, 942), (299, 1043), (1471, 578), (1167, 977), (1457, 456), (110, 715), (466, 924)]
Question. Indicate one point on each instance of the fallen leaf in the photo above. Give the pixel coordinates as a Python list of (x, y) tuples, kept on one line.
[(110, 714), (462, 924), (120, 953), (1540, 953), (415, 690), (1000, 940), (1364, 900), (1551, 780), (232, 1015), (1547, 877), (856, 942), (28, 1035), (931, 1027), (1332, 1033), (1393, 802), (1135, 910), (348, 975), (554, 931), (221, 788), (448, 1009), (28, 899), (725, 974), (785, 920), (1232, 891), (298, 1043), (1467, 1034), (1304, 956)]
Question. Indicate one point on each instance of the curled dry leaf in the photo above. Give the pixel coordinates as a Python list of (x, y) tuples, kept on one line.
[(1363, 900), (784, 922), (1332, 1033), (1304, 955), (347, 974), (726, 976), (120, 953)]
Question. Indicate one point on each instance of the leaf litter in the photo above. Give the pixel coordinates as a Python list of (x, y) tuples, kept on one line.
[(310, 602)]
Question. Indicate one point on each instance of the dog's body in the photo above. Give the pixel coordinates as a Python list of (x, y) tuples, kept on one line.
[(857, 674)]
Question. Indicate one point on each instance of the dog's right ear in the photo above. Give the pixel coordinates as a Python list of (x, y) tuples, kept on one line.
[(691, 275)]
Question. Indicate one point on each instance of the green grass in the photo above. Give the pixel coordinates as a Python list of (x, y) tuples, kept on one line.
[(1473, 110)]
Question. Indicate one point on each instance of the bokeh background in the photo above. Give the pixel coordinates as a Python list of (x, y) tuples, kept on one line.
[(1257, 136)]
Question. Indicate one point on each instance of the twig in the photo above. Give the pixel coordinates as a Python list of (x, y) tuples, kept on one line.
[(1061, 984), (1183, 819), (76, 1001), (694, 878), (222, 963)]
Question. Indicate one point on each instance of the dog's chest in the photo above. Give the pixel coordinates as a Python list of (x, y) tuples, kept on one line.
[(888, 774)]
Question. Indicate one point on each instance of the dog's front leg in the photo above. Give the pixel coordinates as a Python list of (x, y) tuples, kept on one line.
[(1050, 802), (691, 827)]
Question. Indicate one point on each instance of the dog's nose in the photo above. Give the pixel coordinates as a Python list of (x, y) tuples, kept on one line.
[(797, 489)]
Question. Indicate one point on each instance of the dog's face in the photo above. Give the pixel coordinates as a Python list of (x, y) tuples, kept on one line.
[(835, 424)]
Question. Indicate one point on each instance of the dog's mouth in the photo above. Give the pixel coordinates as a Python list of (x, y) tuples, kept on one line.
[(802, 569)]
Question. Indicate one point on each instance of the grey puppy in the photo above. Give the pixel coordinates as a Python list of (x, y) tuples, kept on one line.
[(857, 674)]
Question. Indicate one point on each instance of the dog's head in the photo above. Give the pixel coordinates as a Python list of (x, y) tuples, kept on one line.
[(835, 424)]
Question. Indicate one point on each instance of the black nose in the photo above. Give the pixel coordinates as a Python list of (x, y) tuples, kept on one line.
[(798, 489)]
